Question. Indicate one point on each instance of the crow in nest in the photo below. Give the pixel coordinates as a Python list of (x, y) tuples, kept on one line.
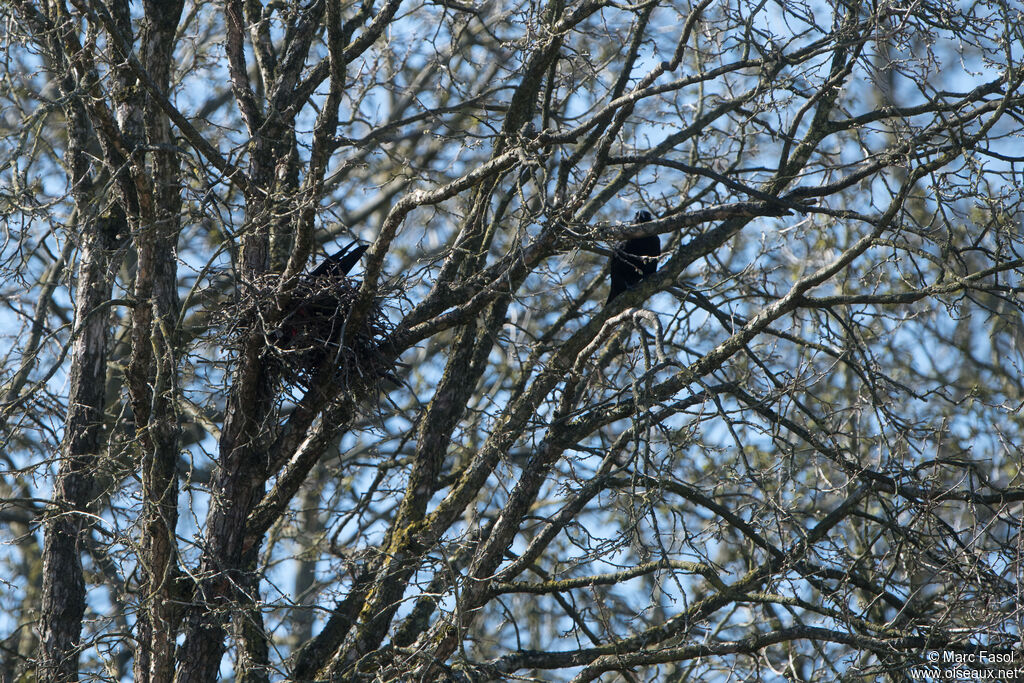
[(339, 263), (634, 259), (313, 329)]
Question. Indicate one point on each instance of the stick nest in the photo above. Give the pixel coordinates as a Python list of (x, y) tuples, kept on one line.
[(307, 337)]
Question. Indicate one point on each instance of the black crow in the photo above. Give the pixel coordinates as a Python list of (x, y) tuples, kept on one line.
[(634, 259), (339, 263), (321, 305)]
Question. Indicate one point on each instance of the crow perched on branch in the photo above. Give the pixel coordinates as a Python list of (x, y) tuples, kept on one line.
[(634, 259)]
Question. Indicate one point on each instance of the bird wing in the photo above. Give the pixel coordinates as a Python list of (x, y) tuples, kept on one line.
[(352, 258)]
